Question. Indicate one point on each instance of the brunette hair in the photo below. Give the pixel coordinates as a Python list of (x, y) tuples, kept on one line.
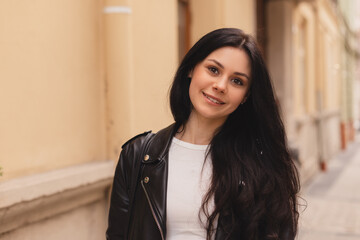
[(254, 181)]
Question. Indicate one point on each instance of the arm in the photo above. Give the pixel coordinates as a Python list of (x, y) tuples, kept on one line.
[(119, 203), (124, 186)]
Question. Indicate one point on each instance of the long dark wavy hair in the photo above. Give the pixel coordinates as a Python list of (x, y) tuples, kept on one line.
[(254, 181)]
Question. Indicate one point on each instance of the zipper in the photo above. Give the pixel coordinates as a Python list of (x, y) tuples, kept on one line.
[(152, 211)]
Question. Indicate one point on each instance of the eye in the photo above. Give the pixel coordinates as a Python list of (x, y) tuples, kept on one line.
[(238, 81), (213, 70)]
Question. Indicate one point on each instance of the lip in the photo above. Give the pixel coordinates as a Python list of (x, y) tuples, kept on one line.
[(215, 98)]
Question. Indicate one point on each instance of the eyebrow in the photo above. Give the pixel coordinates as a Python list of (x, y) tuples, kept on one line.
[(236, 73)]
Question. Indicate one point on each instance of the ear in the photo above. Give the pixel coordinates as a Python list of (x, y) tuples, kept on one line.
[(190, 73), (245, 98)]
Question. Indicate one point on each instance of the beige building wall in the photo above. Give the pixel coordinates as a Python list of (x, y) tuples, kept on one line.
[(329, 80), (75, 78), (52, 90), (304, 54), (350, 71), (78, 79), (208, 15), (141, 59), (53, 121), (279, 54), (304, 89), (155, 62), (304, 40)]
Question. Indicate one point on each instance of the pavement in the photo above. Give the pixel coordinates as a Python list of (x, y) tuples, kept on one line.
[(332, 200)]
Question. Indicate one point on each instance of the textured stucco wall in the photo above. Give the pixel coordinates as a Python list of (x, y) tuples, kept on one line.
[(52, 95)]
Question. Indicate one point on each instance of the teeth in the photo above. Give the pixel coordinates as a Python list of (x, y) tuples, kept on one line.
[(213, 100)]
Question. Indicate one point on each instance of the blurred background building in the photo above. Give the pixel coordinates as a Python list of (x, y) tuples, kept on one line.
[(79, 78)]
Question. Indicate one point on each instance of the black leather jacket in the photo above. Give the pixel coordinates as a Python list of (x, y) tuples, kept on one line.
[(141, 214)]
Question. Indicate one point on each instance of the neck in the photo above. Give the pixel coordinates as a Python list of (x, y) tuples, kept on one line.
[(199, 130)]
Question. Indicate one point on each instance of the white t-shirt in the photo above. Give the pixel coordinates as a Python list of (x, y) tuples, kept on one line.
[(188, 181)]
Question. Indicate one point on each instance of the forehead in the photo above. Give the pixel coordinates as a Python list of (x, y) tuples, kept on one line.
[(228, 51), (233, 58)]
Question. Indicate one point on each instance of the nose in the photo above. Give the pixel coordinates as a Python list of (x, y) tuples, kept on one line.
[(220, 85)]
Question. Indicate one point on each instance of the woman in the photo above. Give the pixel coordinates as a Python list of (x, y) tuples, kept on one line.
[(222, 170)]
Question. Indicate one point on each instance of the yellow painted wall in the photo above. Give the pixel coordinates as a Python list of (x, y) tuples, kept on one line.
[(155, 51), (51, 94), (118, 76), (305, 101), (142, 57), (330, 44), (322, 59), (141, 60), (77, 81), (207, 15), (240, 14)]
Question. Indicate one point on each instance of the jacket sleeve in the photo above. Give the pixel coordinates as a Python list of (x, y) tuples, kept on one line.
[(119, 203)]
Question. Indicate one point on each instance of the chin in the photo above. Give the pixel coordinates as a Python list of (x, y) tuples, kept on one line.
[(214, 117)]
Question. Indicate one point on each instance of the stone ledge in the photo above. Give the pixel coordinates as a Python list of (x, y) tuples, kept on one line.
[(33, 198), (49, 183)]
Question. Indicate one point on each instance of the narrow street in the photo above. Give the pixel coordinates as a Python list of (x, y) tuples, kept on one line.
[(333, 200)]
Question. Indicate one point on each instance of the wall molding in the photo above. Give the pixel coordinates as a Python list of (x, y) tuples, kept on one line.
[(34, 198)]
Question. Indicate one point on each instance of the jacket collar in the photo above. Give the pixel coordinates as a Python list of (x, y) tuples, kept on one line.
[(160, 143)]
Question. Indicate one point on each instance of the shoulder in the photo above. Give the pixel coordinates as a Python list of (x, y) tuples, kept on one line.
[(138, 139), (130, 153), (161, 136), (155, 144)]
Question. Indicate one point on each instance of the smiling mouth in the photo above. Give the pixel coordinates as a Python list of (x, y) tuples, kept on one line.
[(217, 101)]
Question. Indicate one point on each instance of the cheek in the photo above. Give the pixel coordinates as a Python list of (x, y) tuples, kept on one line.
[(195, 86), (237, 98), (199, 79), (192, 90)]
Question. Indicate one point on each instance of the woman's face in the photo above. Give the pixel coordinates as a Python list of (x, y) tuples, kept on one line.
[(220, 83)]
